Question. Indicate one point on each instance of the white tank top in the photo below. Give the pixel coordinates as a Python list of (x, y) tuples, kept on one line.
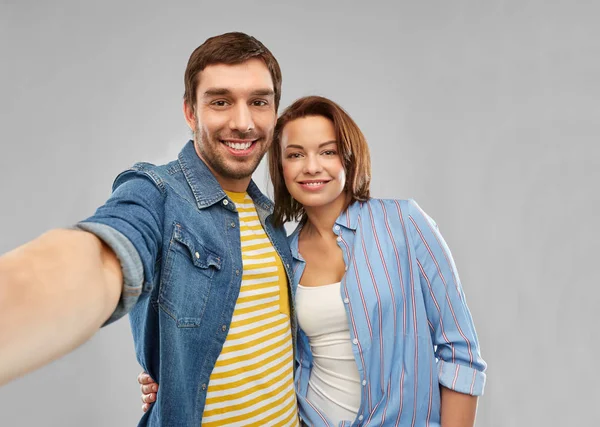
[(334, 384)]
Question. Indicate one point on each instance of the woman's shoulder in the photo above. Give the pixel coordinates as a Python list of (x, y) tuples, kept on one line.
[(391, 211), (385, 204)]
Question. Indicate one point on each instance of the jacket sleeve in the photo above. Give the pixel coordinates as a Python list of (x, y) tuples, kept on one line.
[(460, 366), (130, 223)]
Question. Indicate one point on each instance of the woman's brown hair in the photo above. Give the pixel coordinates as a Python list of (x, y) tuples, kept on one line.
[(352, 146)]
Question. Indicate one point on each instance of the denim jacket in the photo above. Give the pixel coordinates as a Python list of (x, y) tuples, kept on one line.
[(176, 234)]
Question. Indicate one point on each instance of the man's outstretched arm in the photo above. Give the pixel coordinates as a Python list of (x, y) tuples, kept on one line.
[(55, 293)]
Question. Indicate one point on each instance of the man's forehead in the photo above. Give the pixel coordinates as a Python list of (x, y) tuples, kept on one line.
[(247, 77)]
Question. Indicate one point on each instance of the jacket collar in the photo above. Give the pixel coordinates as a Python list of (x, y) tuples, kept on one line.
[(205, 187)]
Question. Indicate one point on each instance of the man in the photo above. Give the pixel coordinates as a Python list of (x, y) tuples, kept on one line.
[(188, 249)]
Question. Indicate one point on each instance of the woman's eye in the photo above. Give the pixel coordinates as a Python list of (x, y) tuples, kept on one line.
[(330, 152)]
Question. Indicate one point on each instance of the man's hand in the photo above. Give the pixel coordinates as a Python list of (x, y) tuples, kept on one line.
[(149, 388), (55, 293)]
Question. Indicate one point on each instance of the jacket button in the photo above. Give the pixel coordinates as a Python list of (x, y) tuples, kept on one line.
[(237, 272), (197, 255), (225, 202), (224, 328), (232, 225), (203, 386)]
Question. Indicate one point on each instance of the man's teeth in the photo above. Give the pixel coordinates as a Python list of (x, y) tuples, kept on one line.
[(238, 145)]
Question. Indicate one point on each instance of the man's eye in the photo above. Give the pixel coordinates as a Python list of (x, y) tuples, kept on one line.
[(259, 103), (219, 103)]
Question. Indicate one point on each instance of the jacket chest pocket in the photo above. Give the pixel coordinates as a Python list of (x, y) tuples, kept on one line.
[(187, 280)]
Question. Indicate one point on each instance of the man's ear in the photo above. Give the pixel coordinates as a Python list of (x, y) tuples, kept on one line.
[(189, 112)]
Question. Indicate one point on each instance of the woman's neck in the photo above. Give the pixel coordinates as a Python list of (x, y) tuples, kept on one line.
[(320, 219)]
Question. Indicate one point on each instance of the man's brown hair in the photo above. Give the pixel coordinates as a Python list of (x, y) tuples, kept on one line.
[(352, 147), (231, 49)]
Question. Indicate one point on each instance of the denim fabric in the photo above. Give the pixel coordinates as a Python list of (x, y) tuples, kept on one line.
[(185, 231)]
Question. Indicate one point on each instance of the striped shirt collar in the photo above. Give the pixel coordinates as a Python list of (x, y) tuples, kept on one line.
[(347, 219)]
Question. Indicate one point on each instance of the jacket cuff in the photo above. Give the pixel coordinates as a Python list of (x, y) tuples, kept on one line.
[(131, 265)]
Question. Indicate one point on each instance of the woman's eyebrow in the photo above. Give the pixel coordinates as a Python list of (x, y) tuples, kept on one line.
[(321, 145)]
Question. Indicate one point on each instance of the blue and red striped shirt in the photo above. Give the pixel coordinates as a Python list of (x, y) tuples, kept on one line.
[(409, 323)]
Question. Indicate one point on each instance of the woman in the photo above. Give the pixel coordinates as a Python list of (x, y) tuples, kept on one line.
[(385, 337)]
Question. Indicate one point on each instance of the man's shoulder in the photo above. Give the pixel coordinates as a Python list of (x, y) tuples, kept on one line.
[(162, 176), (157, 172)]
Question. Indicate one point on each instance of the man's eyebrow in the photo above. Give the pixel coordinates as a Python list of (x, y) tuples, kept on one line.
[(302, 148), (214, 91), (262, 92), (217, 91)]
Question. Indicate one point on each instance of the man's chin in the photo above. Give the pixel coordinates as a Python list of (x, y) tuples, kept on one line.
[(238, 170), (229, 166)]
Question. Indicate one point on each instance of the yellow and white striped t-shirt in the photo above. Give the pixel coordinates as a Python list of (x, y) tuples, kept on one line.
[(252, 382)]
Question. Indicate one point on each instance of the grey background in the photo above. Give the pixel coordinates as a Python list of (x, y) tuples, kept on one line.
[(484, 112)]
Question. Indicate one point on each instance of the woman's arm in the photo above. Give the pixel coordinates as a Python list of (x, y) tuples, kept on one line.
[(458, 409), (461, 370)]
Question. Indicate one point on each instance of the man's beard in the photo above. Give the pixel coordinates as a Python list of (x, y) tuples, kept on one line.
[(210, 153)]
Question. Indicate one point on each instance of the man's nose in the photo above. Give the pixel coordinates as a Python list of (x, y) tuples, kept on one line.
[(241, 118)]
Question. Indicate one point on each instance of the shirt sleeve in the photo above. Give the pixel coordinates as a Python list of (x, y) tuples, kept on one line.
[(460, 366), (130, 223)]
